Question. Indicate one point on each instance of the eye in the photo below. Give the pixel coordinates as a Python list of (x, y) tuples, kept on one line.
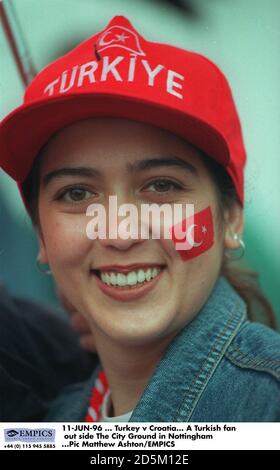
[(75, 195), (163, 186)]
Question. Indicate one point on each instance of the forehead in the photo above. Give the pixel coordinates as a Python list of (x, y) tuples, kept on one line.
[(112, 143)]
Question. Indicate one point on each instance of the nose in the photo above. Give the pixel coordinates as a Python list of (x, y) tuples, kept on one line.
[(121, 226), (120, 238), (119, 243)]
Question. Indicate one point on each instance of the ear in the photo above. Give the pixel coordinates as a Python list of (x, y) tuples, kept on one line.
[(234, 225), (42, 254)]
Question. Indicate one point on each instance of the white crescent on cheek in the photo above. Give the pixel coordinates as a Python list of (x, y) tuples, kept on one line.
[(189, 236), (204, 221)]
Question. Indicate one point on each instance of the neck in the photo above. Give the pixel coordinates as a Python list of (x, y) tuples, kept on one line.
[(128, 368)]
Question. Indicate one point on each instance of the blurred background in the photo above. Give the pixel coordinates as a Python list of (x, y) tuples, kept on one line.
[(241, 36)]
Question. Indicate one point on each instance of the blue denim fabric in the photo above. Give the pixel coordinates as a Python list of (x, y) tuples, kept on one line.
[(220, 367)]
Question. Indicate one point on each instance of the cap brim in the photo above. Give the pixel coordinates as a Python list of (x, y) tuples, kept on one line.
[(24, 131)]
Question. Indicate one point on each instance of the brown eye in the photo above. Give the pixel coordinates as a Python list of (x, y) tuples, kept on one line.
[(163, 186), (75, 195)]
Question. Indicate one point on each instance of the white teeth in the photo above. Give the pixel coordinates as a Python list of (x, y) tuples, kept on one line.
[(148, 275), (131, 279), (141, 276), (121, 279), (154, 272), (113, 279)]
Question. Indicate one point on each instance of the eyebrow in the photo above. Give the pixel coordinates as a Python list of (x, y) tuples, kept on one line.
[(170, 161), (69, 171), (142, 165)]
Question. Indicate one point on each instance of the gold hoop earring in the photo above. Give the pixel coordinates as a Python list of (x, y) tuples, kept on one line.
[(237, 253), (39, 267)]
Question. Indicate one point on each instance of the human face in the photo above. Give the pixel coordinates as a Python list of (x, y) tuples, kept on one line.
[(110, 145)]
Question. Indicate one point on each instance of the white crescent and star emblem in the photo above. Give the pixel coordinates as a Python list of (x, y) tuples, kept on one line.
[(119, 36), (190, 236), (198, 234)]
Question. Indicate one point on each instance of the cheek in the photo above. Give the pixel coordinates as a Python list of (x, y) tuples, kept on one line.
[(196, 267), (192, 236), (65, 239), (195, 245)]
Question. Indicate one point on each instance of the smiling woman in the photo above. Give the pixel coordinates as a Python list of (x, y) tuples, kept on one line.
[(159, 314)]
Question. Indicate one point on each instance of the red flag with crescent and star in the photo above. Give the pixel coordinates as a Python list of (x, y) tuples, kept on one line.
[(120, 36), (194, 235)]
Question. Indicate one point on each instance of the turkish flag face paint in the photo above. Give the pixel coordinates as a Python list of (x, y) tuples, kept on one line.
[(198, 234)]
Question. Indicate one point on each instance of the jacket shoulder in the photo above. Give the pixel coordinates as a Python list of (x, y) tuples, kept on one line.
[(256, 347)]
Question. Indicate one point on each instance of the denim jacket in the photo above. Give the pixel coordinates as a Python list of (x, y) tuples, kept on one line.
[(220, 367)]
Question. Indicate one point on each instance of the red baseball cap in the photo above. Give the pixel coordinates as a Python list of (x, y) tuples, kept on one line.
[(118, 73)]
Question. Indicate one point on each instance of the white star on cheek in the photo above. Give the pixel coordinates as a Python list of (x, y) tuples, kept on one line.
[(121, 37), (204, 229)]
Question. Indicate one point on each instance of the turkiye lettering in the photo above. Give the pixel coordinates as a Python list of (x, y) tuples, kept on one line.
[(92, 72)]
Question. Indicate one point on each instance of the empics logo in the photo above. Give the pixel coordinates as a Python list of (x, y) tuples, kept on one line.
[(119, 36), (12, 433), (29, 435)]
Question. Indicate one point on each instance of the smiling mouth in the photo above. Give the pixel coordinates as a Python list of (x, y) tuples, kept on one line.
[(132, 280)]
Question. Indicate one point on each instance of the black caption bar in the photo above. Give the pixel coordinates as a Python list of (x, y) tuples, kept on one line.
[(123, 459)]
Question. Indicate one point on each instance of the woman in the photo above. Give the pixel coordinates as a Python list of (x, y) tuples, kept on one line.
[(149, 124)]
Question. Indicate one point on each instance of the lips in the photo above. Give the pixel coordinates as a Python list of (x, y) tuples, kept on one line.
[(114, 282), (127, 268)]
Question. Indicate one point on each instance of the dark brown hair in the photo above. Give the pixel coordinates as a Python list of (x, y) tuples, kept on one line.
[(243, 280)]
